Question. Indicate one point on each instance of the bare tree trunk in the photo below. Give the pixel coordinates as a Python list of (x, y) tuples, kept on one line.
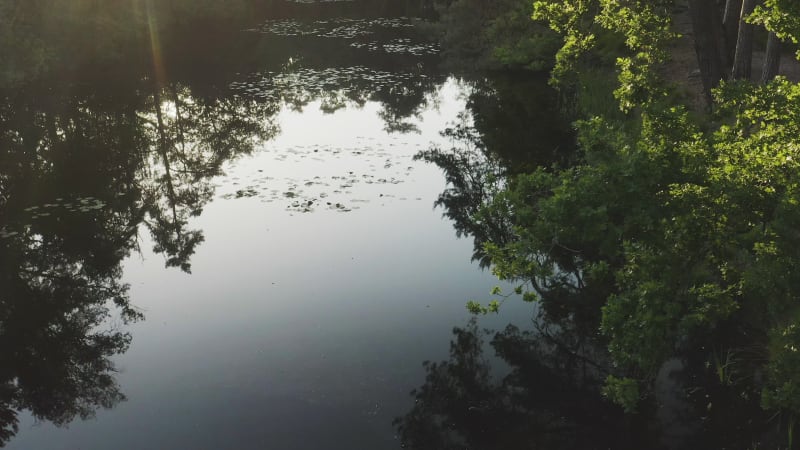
[(730, 21), (703, 14), (772, 58), (743, 60)]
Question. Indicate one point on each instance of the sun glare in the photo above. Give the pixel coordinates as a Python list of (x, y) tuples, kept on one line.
[(155, 45)]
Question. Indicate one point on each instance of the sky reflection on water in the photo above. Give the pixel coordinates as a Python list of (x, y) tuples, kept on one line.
[(295, 330)]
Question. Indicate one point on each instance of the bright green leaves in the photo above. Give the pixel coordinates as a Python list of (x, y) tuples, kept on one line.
[(670, 229), (643, 26), (476, 308), (781, 17), (492, 307), (647, 34), (622, 391), (574, 21), (646, 30), (574, 46), (564, 17)]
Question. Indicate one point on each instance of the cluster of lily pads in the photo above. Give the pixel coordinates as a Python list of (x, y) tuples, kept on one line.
[(302, 85), (400, 45), (80, 204), (57, 207), (334, 192), (332, 28)]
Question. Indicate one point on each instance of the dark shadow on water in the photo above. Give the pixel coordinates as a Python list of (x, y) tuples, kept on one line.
[(548, 398), (541, 388)]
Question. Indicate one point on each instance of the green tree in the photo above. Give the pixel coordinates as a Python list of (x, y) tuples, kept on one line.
[(671, 233)]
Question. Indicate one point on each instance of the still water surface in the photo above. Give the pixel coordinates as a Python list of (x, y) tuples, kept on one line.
[(320, 276), (295, 329)]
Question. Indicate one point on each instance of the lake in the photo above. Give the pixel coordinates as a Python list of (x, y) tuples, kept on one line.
[(255, 225)]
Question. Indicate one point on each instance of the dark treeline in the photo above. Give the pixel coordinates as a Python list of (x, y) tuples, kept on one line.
[(492, 35), (83, 173), (62, 38)]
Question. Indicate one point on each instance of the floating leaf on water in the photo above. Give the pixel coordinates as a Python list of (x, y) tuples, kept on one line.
[(246, 193)]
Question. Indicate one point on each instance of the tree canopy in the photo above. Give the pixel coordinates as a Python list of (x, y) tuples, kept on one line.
[(675, 231)]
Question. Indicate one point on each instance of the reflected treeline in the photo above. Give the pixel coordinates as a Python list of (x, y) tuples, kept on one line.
[(82, 172), (60, 271), (347, 62), (541, 389), (190, 138), (368, 58), (511, 126), (547, 398)]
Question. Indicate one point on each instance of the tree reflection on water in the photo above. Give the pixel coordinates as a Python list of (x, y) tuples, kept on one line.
[(97, 148)]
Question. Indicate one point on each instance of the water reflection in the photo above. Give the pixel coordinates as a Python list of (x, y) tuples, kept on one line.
[(189, 141), (511, 126), (80, 176), (88, 165), (55, 337), (548, 398), (65, 232), (542, 389)]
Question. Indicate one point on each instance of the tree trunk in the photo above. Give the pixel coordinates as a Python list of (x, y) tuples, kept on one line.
[(730, 21), (772, 58), (743, 59), (718, 31), (703, 14)]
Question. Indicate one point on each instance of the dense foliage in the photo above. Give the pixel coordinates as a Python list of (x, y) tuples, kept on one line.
[(493, 35), (673, 234)]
